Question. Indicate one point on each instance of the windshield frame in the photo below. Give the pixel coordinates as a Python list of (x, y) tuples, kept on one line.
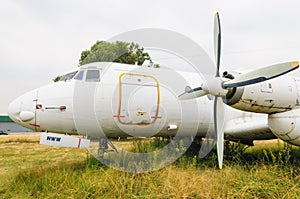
[(68, 76)]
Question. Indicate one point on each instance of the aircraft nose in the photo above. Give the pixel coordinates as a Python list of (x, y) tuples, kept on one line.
[(22, 109), (14, 110)]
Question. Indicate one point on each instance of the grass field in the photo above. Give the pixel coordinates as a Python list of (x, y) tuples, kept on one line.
[(29, 170)]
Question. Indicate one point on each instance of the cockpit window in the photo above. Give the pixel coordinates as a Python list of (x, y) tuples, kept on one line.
[(68, 76), (92, 76), (79, 76)]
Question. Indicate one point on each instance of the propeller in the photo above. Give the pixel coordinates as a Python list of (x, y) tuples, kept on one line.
[(219, 87), (218, 101)]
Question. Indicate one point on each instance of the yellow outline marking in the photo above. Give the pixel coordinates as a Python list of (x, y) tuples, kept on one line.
[(120, 98), (295, 64)]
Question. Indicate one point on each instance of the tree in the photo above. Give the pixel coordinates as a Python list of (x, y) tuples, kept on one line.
[(57, 78), (119, 51)]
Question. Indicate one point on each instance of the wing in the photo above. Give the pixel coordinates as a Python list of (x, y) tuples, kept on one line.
[(249, 128)]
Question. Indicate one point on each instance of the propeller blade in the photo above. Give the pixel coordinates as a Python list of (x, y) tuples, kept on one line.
[(192, 93), (217, 42), (262, 74), (219, 127)]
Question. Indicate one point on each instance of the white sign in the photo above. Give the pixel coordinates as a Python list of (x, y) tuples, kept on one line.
[(53, 139)]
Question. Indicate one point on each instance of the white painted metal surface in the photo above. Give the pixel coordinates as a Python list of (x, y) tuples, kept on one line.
[(53, 139)]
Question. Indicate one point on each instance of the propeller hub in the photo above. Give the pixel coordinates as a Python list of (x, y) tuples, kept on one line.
[(214, 87)]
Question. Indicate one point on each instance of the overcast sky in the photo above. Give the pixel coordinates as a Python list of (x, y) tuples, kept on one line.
[(41, 39)]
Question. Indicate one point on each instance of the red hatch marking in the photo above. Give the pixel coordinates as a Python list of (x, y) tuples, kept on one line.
[(158, 117), (120, 116), (36, 125)]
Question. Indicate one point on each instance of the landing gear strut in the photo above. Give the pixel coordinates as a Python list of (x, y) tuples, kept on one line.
[(104, 145)]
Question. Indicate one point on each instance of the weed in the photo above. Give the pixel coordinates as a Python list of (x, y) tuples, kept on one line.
[(268, 171)]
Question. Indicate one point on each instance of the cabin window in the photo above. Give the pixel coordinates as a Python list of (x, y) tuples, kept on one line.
[(68, 76), (79, 76), (92, 76)]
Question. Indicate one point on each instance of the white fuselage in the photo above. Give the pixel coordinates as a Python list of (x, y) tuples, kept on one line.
[(124, 100)]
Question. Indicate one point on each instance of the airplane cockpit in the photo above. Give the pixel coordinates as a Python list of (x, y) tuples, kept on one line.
[(68, 76), (88, 75)]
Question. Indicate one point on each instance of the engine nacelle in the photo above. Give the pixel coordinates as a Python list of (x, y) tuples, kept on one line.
[(273, 96), (286, 126)]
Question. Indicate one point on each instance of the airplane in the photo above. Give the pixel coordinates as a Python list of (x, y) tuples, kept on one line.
[(112, 100)]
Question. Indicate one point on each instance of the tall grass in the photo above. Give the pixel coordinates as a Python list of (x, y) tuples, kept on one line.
[(261, 172)]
